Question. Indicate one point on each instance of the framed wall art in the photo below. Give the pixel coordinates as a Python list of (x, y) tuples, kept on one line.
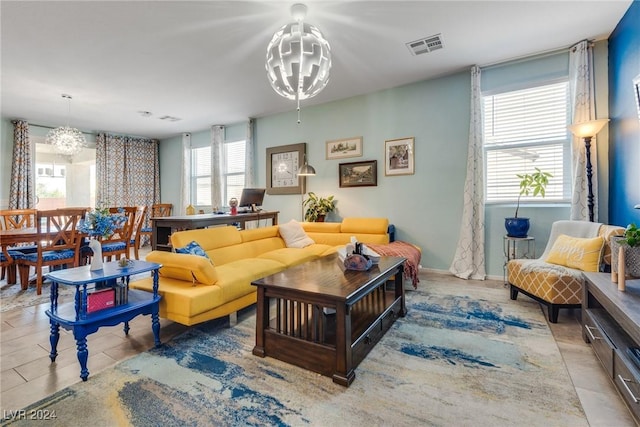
[(344, 148), (358, 174), (399, 157), (283, 163)]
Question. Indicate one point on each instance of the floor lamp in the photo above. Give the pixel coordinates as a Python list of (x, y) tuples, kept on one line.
[(588, 130), (305, 170)]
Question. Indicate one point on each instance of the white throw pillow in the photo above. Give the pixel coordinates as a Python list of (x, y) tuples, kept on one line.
[(294, 235)]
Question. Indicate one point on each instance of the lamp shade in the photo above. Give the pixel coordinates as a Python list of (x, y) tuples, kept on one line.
[(306, 170), (586, 129), (298, 59)]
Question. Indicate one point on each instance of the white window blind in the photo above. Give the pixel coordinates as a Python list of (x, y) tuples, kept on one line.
[(234, 154), (201, 176), (524, 130)]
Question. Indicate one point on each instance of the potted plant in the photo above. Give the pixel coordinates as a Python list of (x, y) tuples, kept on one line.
[(317, 207), (533, 184), (630, 240)]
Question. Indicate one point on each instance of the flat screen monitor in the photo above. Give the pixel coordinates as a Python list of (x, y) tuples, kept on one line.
[(251, 198)]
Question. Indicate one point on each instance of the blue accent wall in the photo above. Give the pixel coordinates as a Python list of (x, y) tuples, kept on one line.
[(624, 128)]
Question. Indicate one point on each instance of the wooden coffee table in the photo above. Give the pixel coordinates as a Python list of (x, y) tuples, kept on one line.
[(321, 317)]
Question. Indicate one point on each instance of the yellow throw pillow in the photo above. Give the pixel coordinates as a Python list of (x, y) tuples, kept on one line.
[(575, 252)]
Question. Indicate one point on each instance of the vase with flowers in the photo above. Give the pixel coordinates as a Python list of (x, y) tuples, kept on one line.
[(98, 224)]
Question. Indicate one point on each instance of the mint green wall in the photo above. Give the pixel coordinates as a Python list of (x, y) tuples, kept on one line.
[(6, 153), (425, 207)]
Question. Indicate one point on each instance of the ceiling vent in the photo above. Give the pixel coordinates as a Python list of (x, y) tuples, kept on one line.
[(425, 45), (170, 118)]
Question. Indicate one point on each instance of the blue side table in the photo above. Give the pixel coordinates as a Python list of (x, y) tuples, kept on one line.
[(74, 316)]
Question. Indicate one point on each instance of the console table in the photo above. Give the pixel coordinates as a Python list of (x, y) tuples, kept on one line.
[(611, 323), (75, 316), (164, 226)]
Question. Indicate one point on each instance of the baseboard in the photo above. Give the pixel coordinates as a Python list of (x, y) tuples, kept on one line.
[(448, 273)]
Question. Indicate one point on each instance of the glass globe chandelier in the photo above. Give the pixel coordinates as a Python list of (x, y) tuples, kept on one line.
[(298, 59), (65, 139)]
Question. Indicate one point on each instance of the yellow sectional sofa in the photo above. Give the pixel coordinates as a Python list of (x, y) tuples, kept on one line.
[(195, 289)]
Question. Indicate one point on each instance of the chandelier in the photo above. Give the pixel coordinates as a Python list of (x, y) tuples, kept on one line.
[(65, 139), (298, 59)]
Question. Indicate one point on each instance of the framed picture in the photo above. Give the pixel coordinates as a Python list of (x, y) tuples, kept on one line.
[(636, 92), (399, 156), (358, 174), (343, 148), (283, 163)]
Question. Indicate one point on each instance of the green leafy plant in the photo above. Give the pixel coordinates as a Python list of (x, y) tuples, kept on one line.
[(532, 183), (632, 235), (317, 207)]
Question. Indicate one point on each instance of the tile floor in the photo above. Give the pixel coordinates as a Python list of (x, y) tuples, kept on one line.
[(27, 375)]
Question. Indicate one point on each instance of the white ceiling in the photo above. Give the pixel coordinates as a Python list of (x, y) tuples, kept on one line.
[(204, 61)]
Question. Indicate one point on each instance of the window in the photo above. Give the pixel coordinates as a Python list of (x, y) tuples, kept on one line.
[(525, 129), (201, 176), (62, 181), (232, 173)]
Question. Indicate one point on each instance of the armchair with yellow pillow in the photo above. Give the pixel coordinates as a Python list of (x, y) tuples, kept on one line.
[(555, 279)]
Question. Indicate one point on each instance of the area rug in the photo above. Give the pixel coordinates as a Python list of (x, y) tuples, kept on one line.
[(464, 355)]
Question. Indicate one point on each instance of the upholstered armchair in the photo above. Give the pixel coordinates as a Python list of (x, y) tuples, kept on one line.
[(558, 284)]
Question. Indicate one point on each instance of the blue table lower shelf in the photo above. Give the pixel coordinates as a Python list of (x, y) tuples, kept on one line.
[(73, 316)]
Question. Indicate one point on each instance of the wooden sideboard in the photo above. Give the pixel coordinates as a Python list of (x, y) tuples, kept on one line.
[(164, 226), (611, 323)]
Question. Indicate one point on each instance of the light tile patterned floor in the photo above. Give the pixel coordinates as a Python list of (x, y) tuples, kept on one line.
[(27, 375)]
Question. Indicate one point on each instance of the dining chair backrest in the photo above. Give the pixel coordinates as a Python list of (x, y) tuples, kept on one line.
[(58, 229), (11, 219), (161, 209), (124, 233), (138, 220)]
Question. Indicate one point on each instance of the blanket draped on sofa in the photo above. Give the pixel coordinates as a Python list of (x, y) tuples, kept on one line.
[(403, 249)]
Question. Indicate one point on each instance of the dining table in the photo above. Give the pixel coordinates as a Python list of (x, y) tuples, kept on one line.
[(14, 237)]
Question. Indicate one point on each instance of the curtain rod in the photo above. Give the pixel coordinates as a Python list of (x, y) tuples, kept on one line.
[(51, 127), (524, 58)]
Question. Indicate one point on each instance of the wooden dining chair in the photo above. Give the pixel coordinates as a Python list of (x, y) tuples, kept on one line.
[(119, 243), (13, 219), (136, 238), (58, 244), (157, 210)]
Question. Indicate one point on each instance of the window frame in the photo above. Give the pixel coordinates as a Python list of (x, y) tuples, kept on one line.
[(566, 144)]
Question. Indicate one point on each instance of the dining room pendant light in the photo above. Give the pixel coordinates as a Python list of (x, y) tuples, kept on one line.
[(65, 139), (298, 59)]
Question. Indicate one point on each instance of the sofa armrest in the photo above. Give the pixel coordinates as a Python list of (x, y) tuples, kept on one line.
[(187, 267)]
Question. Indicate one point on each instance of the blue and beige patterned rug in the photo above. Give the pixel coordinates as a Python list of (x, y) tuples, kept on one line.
[(464, 355)]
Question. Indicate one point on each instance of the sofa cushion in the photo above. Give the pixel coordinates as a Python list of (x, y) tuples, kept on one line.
[(294, 235), (185, 267), (294, 256), (575, 252), (180, 299), (192, 248), (364, 225), (235, 278), (211, 238)]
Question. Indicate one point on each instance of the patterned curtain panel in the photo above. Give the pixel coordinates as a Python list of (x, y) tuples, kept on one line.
[(249, 157), (217, 139), (21, 192), (127, 171), (468, 262), (583, 104)]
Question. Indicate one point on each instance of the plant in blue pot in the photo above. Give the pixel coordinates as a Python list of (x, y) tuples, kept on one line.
[(533, 184)]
